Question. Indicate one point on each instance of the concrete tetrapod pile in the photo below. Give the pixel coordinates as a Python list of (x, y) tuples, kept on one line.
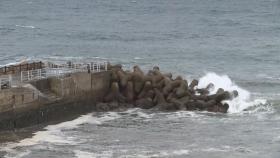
[(156, 90)]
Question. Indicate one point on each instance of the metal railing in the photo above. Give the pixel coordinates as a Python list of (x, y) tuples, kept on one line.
[(32, 75), (63, 70), (7, 81), (97, 66)]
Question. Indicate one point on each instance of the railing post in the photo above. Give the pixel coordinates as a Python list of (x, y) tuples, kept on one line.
[(21, 75), (10, 80), (40, 73), (106, 66), (95, 66), (62, 86), (28, 76)]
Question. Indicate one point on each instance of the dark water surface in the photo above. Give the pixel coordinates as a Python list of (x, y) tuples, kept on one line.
[(239, 38)]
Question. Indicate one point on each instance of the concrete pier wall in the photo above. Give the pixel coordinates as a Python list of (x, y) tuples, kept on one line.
[(16, 98), (96, 85), (52, 99)]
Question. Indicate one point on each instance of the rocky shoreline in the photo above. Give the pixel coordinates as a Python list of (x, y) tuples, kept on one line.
[(156, 90)]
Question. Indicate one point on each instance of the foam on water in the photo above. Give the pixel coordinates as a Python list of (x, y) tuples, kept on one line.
[(138, 58), (54, 134), (20, 155), (183, 114), (142, 114), (238, 104), (26, 26), (85, 154), (156, 154), (138, 113), (138, 154), (226, 148), (19, 60)]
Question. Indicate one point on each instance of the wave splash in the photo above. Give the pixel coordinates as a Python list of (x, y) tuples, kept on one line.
[(238, 104)]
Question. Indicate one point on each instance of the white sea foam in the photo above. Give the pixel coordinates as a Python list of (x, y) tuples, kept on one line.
[(138, 58), (128, 154), (215, 150), (226, 148), (238, 104), (20, 155), (139, 113), (86, 154), (157, 154), (55, 134), (183, 114), (144, 115), (18, 61), (83, 154), (26, 26), (181, 152)]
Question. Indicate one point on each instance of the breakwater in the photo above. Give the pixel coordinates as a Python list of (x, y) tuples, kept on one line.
[(156, 90), (54, 98), (51, 99)]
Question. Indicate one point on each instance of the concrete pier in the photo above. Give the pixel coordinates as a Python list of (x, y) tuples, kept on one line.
[(52, 98)]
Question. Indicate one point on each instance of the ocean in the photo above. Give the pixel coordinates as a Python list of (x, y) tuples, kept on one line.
[(233, 43)]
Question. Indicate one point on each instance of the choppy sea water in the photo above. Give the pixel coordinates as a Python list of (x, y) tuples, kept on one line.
[(235, 44)]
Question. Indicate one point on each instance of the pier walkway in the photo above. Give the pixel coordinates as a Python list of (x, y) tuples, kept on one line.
[(16, 75)]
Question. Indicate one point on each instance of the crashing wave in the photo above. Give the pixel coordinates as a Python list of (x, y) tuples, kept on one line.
[(238, 104)]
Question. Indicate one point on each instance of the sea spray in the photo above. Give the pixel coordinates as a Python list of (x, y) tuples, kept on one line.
[(238, 104)]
